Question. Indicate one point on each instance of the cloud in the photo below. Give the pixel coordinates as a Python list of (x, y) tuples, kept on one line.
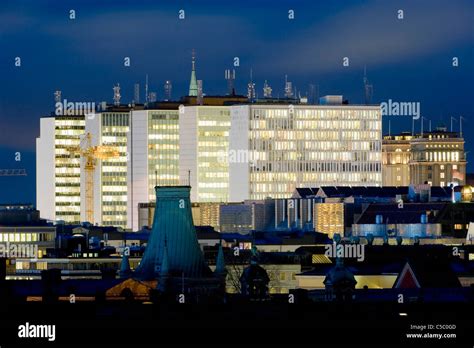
[(372, 34)]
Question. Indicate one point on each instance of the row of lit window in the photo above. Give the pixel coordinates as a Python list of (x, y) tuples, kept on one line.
[(26, 237)]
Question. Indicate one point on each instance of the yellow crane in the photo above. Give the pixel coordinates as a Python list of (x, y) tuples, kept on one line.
[(91, 154)]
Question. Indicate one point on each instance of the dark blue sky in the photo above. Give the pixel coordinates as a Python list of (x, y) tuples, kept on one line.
[(407, 60)]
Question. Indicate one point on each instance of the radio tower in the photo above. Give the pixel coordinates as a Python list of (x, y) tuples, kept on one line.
[(267, 90), (136, 94), (57, 96), (251, 88), (230, 77), (117, 95)]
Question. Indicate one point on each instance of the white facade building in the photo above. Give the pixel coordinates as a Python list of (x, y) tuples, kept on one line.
[(274, 149), (58, 171), (204, 138), (153, 148)]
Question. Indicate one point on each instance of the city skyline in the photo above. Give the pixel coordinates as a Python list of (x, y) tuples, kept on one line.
[(401, 61)]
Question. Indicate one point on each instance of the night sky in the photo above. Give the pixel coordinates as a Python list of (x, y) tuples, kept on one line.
[(407, 59)]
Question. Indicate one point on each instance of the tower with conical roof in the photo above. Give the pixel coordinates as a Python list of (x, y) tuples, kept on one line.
[(193, 86)]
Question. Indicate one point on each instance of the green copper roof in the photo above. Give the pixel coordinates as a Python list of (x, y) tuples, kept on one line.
[(193, 86), (173, 226)]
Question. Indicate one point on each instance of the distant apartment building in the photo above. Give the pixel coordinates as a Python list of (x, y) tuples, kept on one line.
[(58, 171), (274, 149), (438, 158), (396, 156)]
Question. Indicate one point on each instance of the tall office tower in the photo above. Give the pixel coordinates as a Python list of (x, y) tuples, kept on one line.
[(267, 90), (230, 77), (396, 159), (204, 142), (168, 89), (153, 148), (110, 128), (438, 158), (288, 88), (58, 171), (193, 88), (274, 149)]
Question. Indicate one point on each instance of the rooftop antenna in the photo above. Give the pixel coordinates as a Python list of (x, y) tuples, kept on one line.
[(267, 90), (430, 126), (117, 95), (146, 89), (57, 96), (368, 88), (452, 119), (251, 88), (389, 128), (189, 177), (460, 125), (230, 77), (136, 93), (422, 118)]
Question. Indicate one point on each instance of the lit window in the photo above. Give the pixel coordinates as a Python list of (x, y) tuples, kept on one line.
[(458, 227), (441, 176)]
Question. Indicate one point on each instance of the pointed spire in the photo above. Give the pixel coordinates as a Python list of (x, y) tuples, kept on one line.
[(125, 271), (193, 87), (220, 262)]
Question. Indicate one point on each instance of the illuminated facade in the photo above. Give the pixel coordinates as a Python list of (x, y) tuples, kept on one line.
[(329, 218), (204, 141), (438, 159), (153, 148), (110, 175), (274, 149), (395, 160), (58, 172)]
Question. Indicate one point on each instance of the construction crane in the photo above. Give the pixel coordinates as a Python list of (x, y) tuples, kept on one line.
[(91, 154)]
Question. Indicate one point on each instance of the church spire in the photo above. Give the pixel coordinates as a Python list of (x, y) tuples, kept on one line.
[(193, 87), (220, 262)]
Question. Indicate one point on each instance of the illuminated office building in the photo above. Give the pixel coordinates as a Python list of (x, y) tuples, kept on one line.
[(204, 143), (153, 148), (438, 158), (110, 128), (274, 149), (58, 172), (395, 159)]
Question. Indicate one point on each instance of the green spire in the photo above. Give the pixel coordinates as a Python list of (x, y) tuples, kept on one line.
[(125, 271), (220, 263), (193, 87)]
